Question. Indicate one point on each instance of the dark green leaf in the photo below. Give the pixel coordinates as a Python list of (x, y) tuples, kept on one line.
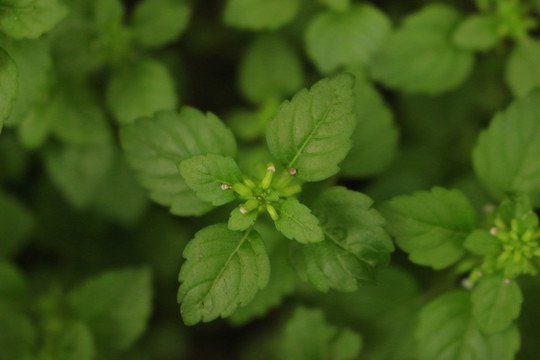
[(431, 226), (311, 133), (75, 343), (8, 85), (115, 305), (108, 14), (496, 303), (16, 224), (297, 222), (506, 156), (522, 69), (13, 287), (224, 269), (260, 14), (154, 147), (31, 20), (17, 333)]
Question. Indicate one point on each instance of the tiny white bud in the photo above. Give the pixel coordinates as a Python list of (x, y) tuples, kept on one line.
[(292, 171), (225, 187), (271, 168), (243, 210), (493, 231), (467, 284), (489, 208), (507, 281)]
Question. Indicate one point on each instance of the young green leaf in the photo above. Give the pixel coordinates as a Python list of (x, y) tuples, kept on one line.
[(31, 20), (154, 147), (431, 226), (224, 269), (338, 39), (270, 70), (8, 85), (375, 137), (239, 221), (482, 243), (477, 32), (206, 175), (522, 74), (157, 23), (297, 222), (355, 243), (496, 303), (115, 306), (140, 89), (308, 336), (260, 14), (311, 133), (447, 331), (506, 156), (16, 224), (420, 57)]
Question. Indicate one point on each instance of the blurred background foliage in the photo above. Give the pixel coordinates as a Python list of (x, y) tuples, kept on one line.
[(89, 264)]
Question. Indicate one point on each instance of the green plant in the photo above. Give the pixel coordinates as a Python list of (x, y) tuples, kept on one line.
[(328, 179)]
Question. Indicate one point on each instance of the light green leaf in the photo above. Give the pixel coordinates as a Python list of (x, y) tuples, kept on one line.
[(307, 336), (496, 303), (506, 156), (270, 69), (481, 242), (140, 89), (355, 243), (522, 69), (239, 221), (477, 32), (311, 133), (75, 343), (375, 137), (297, 222), (115, 306), (224, 269), (78, 171), (281, 284), (17, 333), (338, 39), (260, 14), (154, 147), (157, 23), (420, 57), (431, 226), (447, 331), (32, 20), (205, 174), (8, 85), (16, 224)]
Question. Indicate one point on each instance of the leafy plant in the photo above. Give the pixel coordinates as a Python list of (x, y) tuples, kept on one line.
[(269, 179)]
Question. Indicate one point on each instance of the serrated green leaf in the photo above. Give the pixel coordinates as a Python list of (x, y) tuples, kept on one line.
[(157, 23), (224, 269), (32, 20), (205, 174), (75, 343), (239, 221), (420, 57), (375, 137), (481, 242), (270, 69), (496, 303), (17, 333), (78, 170), (431, 226), (260, 14), (307, 336), (281, 284), (154, 147), (16, 224), (447, 331), (311, 133), (297, 222), (355, 243), (477, 32), (140, 89), (522, 74), (115, 305), (506, 156), (340, 39), (8, 85)]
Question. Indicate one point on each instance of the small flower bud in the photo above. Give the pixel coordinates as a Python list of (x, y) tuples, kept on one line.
[(267, 180), (507, 281), (493, 231), (292, 171), (226, 187), (272, 212), (242, 190), (243, 210)]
